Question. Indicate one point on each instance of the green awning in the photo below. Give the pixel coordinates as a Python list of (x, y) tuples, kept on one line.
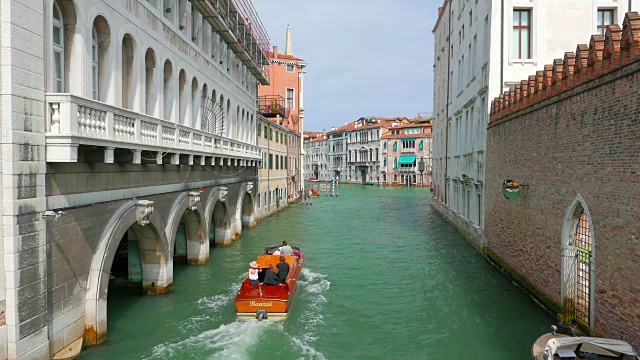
[(407, 160)]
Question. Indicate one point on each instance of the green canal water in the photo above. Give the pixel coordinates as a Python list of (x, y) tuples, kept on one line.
[(385, 278)]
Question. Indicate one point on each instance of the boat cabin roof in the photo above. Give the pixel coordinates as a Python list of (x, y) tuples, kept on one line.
[(264, 260)]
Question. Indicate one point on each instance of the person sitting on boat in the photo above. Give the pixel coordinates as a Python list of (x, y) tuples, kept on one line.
[(283, 270), (276, 252), (253, 273), (270, 276), (285, 249)]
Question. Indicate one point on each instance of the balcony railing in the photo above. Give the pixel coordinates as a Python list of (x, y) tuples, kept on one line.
[(271, 106), (73, 121), (407, 169), (408, 150), (240, 26)]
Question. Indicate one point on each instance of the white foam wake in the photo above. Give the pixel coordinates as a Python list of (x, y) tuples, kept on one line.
[(313, 285), (229, 341), (212, 305)]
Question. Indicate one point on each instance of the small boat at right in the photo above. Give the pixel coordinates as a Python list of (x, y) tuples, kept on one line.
[(552, 346)]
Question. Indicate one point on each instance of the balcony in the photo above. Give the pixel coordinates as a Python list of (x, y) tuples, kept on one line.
[(72, 121), (271, 106), (408, 150), (407, 169), (239, 25)]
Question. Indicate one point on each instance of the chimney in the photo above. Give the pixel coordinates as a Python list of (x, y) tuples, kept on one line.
[(324, 131), (275, 52)]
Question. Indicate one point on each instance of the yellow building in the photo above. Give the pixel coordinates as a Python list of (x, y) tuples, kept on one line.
[(274, 190)]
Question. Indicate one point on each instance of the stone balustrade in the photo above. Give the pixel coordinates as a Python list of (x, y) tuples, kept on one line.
[(73, 121)]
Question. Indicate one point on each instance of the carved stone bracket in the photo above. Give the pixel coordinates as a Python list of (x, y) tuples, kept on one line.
[(194, 199), (249, 187), (223, 193), (144, 209)]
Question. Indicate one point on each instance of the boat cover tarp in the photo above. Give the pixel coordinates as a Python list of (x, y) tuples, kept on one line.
[(618, 346)]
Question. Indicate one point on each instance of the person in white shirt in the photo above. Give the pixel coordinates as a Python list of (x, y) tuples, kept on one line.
[(285, 249)]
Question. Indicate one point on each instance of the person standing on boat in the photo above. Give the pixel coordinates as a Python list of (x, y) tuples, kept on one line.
[(270, 276), (253, 273), (285, 249), (283, 270)]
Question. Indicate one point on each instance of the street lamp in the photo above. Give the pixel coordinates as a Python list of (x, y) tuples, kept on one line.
[(421, 168)]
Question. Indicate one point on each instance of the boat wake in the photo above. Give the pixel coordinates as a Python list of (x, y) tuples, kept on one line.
[(212, 306), (244, 339), (236, 340), (313, 286)]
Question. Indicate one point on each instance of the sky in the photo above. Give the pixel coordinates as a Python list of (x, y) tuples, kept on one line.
[(366, 58)]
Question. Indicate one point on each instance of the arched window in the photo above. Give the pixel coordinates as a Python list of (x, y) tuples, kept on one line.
[(100, 74), (168, 91), (150, 88), (128, 83), (395, 163), (395, 146), (421, 145), (385, 162), (94, 64), (182, 98), (384, 145), (58, 49), (195, 103)]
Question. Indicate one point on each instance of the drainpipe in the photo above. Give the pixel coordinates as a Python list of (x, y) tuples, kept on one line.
[(502, 46)]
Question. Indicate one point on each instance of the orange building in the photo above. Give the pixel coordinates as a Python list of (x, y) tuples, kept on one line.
[(282, 102)]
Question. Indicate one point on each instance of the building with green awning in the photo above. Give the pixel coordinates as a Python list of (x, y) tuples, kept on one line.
[(407, 160)]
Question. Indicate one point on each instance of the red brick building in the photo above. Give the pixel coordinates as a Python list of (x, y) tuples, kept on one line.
[(572, 134)]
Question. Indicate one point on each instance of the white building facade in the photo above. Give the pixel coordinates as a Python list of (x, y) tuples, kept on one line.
[(316, 165), (338, 154), (136, 82), (363, 153), (481, 49)]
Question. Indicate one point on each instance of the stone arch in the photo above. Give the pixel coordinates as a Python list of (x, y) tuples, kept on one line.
[(577, 269), (157, 271), (102, 31), (191, 223), (217, 221)]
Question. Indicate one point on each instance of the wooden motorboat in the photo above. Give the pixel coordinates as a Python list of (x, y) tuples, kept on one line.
[(553, 346), (270, 301)]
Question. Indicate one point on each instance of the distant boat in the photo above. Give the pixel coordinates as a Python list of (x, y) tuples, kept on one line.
[(552, 346), (314, 179), (272, 302), (368, 183)]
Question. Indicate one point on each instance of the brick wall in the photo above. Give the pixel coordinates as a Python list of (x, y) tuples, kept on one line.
[(573, 130)]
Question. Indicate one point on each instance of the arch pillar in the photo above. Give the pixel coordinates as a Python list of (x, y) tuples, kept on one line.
[(217, 216), (248, 218), (186, 209), (157, 272)]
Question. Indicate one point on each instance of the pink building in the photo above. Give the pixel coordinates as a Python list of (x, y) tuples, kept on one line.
[(282, 102)]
